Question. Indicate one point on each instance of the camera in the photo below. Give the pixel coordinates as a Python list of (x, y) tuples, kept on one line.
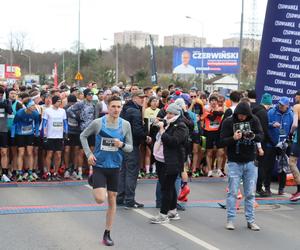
[(249, 135), (160, 120), (245, 129)]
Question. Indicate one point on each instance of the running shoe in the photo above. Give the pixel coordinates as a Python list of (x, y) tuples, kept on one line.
[(67, 175), (79, 177), (20, 178), (230, 225), (107, 241), (210, 173), (134, 205), (220, 173), (74, 175), (295, 197), (173, 215), (159, 219), (30, 178), (35, 176), (48, 176), (5, 178), (281, 192), (253, 226), (25, 176)]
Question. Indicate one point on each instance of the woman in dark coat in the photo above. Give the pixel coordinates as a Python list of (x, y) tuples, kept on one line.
[(169, 153)]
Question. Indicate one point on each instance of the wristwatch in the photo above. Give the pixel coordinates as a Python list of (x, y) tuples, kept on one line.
[(123, 146)]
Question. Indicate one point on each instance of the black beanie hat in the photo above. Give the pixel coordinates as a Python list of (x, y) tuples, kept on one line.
[(55, 99)]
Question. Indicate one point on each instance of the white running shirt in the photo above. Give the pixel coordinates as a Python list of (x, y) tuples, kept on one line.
[(55, 122)]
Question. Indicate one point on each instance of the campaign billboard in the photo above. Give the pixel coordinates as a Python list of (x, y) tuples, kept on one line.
[(206, 60), (279, 61)]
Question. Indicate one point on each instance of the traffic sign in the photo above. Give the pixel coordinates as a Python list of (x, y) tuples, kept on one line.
[(78, 76)]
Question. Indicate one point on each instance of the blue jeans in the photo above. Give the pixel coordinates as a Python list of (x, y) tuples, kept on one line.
[(248, 173)]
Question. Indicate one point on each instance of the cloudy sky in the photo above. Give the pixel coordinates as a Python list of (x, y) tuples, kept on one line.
[(53, 24)]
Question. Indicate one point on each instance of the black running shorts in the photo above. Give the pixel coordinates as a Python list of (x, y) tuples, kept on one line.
[(3, 139), (54, 144), (106, 178), (24, 140)]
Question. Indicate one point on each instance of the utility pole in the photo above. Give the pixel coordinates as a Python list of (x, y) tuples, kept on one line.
[(241, 45)]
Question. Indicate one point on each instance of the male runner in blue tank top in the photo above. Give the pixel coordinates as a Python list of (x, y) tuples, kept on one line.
[(113, 137)]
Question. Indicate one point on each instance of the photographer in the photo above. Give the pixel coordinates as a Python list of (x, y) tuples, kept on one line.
[(169, 153), (240, 133)]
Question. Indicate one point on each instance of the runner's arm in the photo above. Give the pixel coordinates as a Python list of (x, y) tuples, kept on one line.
[(93, 129), (66, 128), (128, 147)]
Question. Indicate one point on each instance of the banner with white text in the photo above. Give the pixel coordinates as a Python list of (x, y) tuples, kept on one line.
[(279, 61)]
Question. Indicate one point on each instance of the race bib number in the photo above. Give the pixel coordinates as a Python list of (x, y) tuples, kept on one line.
[(57, 124), (107, 144), (214, 124), (26, 129)]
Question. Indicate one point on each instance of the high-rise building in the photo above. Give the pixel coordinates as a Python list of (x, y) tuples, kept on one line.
[(137, 39), (185, 40), (250, 44)]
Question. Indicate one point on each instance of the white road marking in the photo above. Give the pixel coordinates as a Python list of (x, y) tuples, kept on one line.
[(175, 229), (180, 232)]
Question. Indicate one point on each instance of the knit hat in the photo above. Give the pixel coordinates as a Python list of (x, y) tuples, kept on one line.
[(174, 109), (180, 102), (55, 99), (266, 99)]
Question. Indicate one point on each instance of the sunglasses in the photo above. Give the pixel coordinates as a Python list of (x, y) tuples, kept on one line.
[(193, 96)]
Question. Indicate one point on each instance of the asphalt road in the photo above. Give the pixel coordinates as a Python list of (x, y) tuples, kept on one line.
[(65, 217)]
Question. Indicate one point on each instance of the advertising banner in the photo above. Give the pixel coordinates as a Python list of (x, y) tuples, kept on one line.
[(206, 60), (12, 72), (2, 71), (279, 61)]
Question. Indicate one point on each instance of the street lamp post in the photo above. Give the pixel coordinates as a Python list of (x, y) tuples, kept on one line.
[(29, 61), (202, 37), (241, 44), (78, 45), (117, 59)]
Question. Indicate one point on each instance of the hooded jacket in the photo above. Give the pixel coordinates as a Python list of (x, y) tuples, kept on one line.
[(262, 114), (243, 150), (286, 121), (132, 113)]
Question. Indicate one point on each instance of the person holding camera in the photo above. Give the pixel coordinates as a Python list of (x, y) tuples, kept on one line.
[(169, 153), (240, 133)]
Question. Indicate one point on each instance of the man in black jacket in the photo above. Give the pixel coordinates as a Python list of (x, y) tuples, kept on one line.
[(261, 111), (132, 112), (240, 133)]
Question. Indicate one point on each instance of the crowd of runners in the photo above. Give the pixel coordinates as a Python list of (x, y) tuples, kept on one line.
[(172, 134)]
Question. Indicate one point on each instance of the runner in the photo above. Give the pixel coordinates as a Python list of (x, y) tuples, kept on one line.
[(25, 127), (5, 110), (113, 136), (54, 126)]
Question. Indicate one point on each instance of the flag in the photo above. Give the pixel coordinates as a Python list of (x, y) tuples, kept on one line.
[(153, 62)]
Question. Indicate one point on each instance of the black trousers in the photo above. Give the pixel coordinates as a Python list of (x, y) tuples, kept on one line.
[(168, 190), (267, 166)]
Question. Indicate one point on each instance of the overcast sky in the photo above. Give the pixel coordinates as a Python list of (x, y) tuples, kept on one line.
[(53, 24)]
